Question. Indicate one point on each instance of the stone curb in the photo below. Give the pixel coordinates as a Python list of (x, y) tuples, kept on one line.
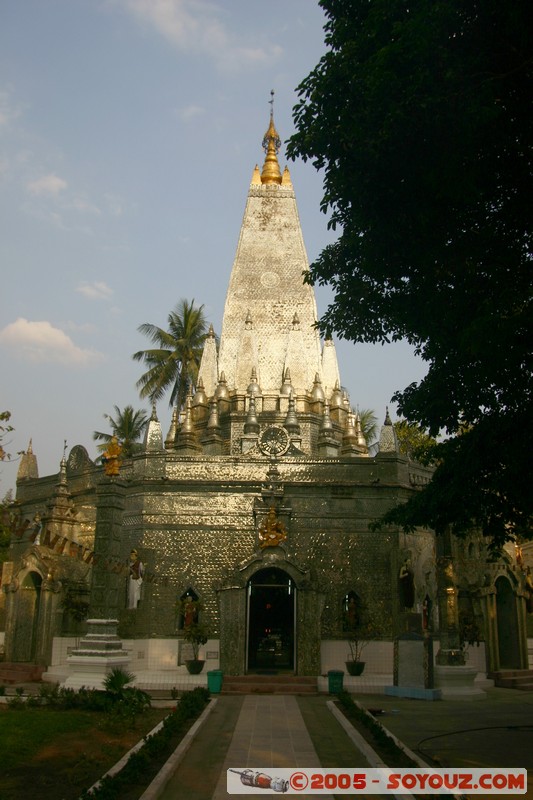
[(155, 789), (122, 762), (413, 756), (175, 758), (370, 755), (362, 745)]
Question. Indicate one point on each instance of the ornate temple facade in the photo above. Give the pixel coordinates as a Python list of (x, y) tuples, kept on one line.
[(258, 503)]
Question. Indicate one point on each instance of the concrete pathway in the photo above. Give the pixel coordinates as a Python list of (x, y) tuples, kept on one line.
[(261, 732), (268, 731)]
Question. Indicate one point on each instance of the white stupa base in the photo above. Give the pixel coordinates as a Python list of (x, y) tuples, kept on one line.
[(100, 652), (457, 683), (91, 672)]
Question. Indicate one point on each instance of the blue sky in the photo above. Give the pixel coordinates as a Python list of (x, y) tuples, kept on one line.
[(129, 130)]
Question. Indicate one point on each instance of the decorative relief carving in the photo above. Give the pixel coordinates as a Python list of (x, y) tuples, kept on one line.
[(269, 279), (78, 459)]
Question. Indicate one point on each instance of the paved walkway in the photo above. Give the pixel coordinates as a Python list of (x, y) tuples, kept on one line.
[(269, 731), (264, 732)]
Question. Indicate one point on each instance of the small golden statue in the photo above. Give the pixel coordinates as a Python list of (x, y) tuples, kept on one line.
[(111, 457), (272, 532)]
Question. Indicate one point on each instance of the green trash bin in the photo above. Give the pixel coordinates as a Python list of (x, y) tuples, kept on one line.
[(335, 681), (214, 680)]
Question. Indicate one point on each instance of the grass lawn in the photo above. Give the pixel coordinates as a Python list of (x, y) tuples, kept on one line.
[(55, 754)]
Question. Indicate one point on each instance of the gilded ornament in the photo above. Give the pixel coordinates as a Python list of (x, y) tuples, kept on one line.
[(111, 457), (272, 532)]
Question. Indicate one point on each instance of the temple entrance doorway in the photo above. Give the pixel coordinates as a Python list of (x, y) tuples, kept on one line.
[(271, 605)]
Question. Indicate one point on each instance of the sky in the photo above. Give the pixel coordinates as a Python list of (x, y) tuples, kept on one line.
[(129, 130)]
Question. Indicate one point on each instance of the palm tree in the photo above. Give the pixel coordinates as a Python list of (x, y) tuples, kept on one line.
[(128, 426), (369, 424), (413, 440), (176, 360)]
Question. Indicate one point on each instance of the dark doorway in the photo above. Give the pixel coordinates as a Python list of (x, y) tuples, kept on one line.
[(271, 604), (507, 625)]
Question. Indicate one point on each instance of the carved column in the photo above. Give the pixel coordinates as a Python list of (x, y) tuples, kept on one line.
[(308, 622), (522, 630), (450, 652), (109, 567), (232, 630), (11, 590), (47, 624), (488, 600)]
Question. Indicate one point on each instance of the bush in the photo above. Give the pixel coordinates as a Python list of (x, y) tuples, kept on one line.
[(120, 701), (379, 734), (158, 744), (117, 680), (16, 704), (49, 693)]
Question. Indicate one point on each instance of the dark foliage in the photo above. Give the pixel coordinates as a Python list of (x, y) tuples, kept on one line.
[(420, 115)]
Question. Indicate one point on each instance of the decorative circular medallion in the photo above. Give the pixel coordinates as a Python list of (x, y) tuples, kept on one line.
[(78, 459), (274, 441), (269, 279)]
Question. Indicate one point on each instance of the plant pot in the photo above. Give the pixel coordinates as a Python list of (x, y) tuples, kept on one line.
[(194, 666), (355, 667)]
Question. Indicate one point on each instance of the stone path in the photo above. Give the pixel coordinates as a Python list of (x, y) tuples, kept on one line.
[(269, 731), (263, 732)]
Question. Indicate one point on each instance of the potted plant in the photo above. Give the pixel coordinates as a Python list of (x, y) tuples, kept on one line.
[(195, 633), (469, 633), (358, 638)]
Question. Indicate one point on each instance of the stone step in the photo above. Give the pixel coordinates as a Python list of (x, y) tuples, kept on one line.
[(521, 679), (20, 673), (510, 673), (514, 683), (268, 688), (258, 677), (270, 684), (522, 687)]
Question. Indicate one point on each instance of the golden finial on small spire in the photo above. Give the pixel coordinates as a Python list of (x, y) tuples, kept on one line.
[(64, 459), (271, 144)]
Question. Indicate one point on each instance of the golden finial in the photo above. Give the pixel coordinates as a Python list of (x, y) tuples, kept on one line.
[(63, 464), (286, 178), (271, 144)]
